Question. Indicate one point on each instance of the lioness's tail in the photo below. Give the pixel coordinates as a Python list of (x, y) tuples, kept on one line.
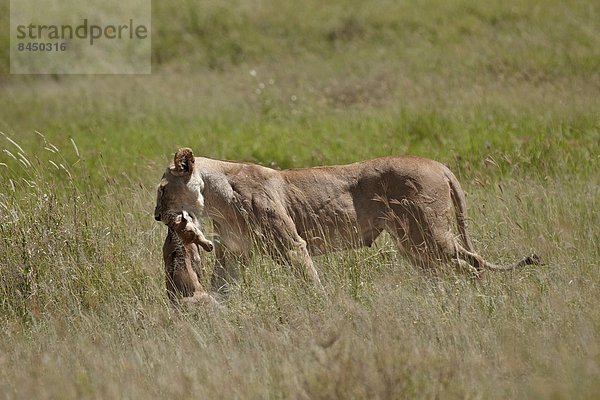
[(460, 208), (467, 253), (479, 263)]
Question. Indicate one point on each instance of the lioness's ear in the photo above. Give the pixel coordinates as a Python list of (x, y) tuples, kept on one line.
[(183, 163)]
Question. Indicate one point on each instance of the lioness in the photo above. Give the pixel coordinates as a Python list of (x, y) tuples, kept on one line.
[(296, 213)]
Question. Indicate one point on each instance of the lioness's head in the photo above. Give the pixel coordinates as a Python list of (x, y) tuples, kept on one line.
[(180, 189)]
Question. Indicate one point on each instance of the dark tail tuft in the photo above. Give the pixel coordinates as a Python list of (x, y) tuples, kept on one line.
[(533, 259)]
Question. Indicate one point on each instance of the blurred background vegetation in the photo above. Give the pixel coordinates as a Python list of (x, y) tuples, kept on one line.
[(428, 77)]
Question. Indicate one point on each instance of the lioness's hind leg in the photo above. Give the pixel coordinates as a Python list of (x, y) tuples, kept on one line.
[(464, 266), (477, 263)]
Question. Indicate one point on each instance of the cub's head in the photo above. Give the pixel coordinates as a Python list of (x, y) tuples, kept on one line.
[(180, 189)]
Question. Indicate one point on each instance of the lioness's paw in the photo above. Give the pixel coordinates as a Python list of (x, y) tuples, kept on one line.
[(203, 299)]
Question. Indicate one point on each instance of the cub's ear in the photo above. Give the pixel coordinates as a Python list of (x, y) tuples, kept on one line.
[(185, 217), (183, 163), (178, 219)]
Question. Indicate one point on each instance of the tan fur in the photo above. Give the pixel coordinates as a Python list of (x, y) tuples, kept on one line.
[(182, 260), (293, 214)]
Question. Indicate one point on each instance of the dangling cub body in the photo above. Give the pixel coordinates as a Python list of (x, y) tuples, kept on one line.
[(182, 259)]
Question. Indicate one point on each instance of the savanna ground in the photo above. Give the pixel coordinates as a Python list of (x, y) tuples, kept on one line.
[(505, 93)]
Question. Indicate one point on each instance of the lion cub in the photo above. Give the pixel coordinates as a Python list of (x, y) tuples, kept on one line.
[(182, 260)]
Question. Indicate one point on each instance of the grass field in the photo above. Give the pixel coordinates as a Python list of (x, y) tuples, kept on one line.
[(506, 93)]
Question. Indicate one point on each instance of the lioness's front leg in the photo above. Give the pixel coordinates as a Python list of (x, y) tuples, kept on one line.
[(226, 269), (287, 244), (301, 261)]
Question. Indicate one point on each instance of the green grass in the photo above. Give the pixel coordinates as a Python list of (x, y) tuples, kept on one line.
[(506, 93)]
